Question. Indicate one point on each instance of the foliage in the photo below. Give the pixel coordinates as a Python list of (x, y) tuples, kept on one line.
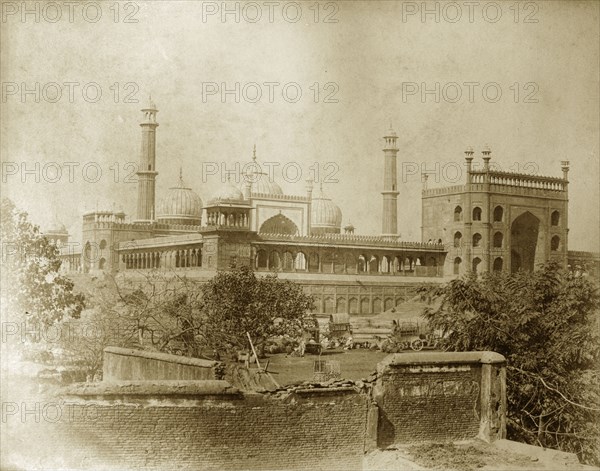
[(33, 290), (545, 323), (237, 302)]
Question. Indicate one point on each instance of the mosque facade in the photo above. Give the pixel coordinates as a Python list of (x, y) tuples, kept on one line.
[(301, 236)]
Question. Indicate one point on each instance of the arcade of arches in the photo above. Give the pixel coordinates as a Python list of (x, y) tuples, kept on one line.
[(347, 262)]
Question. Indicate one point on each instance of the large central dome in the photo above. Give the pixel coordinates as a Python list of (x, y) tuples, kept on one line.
[(260, 181), (181, 205)]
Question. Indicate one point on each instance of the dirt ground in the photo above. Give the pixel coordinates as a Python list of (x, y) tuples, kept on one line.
[(470, 455)]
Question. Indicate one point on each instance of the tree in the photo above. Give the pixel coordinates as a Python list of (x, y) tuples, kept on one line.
[(237, 302), (546, 325), (33, 290)]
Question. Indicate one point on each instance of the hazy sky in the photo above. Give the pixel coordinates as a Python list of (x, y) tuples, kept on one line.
[(369, 66)]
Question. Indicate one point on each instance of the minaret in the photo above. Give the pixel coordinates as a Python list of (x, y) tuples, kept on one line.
[(390, 184), (147, 169)]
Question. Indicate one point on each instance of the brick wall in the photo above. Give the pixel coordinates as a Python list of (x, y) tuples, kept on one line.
[(214, 429), (210, 425), (440, 397)]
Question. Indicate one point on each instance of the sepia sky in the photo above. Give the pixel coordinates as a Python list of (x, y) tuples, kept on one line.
[(376, 59)]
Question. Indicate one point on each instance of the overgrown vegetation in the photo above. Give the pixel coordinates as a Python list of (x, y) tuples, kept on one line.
[(546, 325), (33, 289)]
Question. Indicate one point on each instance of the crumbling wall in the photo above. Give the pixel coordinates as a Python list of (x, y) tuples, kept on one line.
[(440, 396), (211, 425), (208, 425)]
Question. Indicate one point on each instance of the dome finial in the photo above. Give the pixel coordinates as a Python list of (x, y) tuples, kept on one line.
[(254, 153)]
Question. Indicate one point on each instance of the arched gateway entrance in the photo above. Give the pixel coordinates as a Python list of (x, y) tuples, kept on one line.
[(524, 235)]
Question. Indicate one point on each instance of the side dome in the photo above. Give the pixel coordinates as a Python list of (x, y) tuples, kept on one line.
[(181, 205), (57, 233), (258, 180), (227, 193), (326, 216)]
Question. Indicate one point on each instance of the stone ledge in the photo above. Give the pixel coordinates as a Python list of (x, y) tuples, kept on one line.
[(132, 352), (443, 358), (153, 388)]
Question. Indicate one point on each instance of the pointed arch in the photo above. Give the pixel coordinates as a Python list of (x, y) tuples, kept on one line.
[(279, 224)]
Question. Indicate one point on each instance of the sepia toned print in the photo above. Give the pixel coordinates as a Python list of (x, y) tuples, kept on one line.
[(300, 235)]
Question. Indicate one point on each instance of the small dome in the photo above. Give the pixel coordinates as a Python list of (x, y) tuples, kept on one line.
[(227, 193), (57, 227), (259, 180), (181, 205), (325, 214)]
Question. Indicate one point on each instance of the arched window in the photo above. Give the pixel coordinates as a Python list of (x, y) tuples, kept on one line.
[(476, 239), (555, 243), (274, 260), (374, 264), (300, 261), (457, 214), (476, 213), (457, 239), (288, 261), (476, 262), (362, 264), (328, 305), (498, 264), (313, 262), (555, 218), (498, 214), (498, 239), (103, 244), (261, 259), (101, 263), (352, 306), (457, 262)]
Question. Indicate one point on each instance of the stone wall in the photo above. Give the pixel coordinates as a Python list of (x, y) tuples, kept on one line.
[(126, 364), (440, 396)]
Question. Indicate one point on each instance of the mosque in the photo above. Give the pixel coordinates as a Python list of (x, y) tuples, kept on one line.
[(495, 221)]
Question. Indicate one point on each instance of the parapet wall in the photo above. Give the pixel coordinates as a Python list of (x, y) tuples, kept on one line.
[(127, 364), (210, 425), (440, 396)]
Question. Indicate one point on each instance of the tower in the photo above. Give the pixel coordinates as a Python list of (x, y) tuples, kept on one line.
[(390, 184), (147, 169)]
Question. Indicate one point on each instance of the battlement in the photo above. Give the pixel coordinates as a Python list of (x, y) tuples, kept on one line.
[(289, 198), (519, 180), (351, 239), (508, 183), (134, 226)]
